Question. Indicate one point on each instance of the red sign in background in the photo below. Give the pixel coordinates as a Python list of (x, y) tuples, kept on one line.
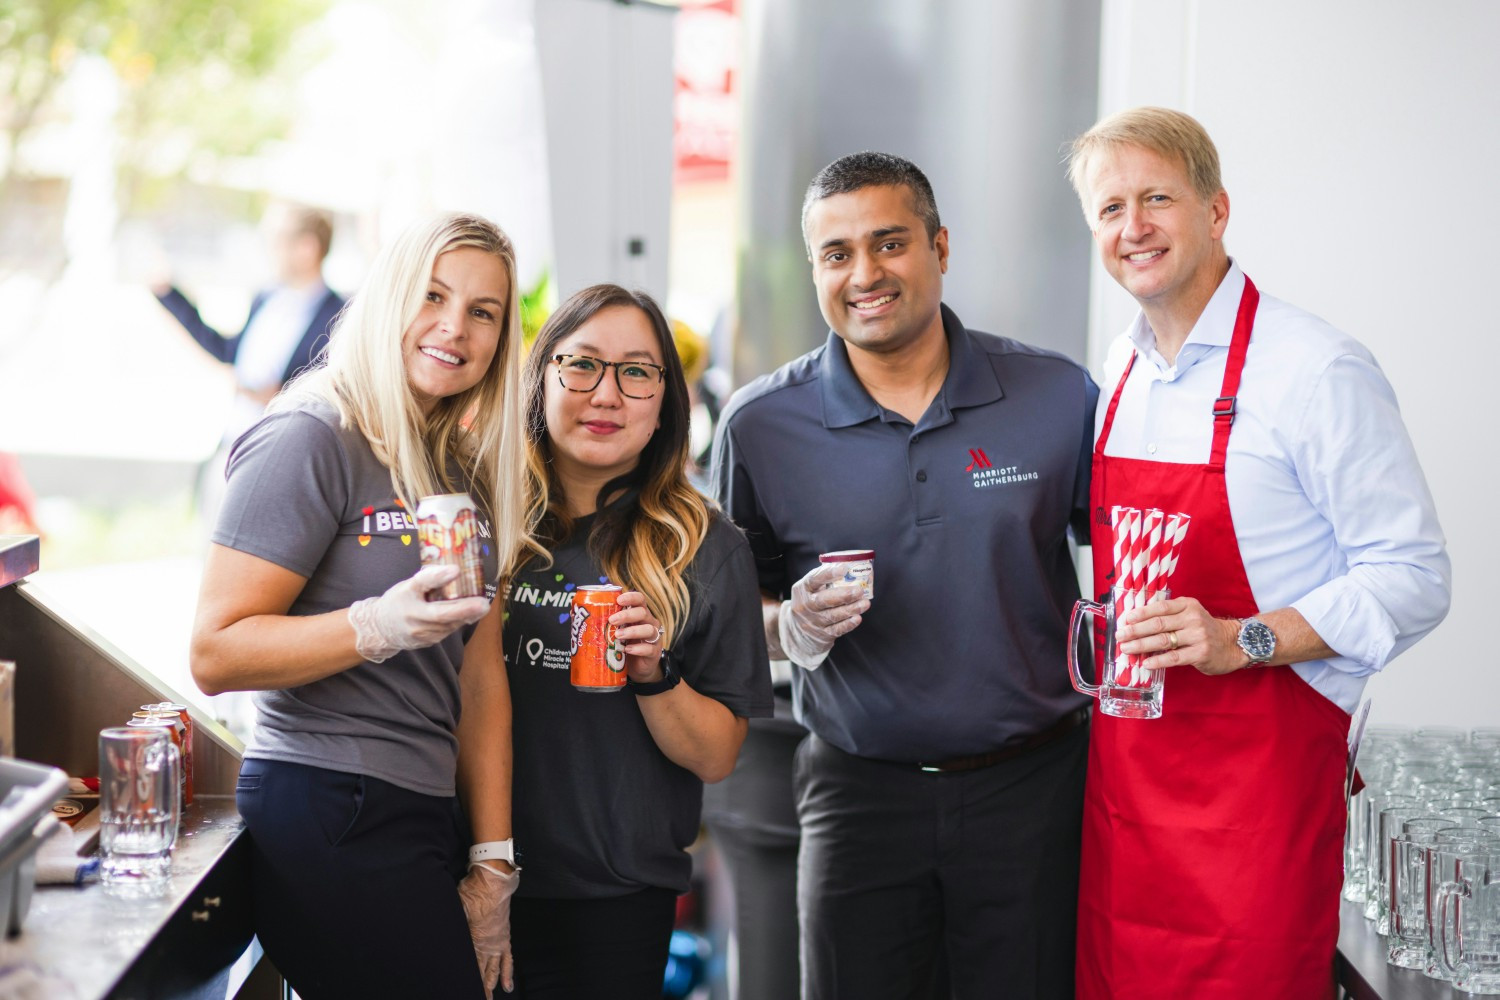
[(705, 111)]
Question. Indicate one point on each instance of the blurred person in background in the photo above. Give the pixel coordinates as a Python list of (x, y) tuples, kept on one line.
[(1213, 836), (313, 597), (287, 327), (609, 786), (941, 789), (17, 501)]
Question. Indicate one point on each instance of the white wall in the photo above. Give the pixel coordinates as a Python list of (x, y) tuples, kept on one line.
[(1360, 140)]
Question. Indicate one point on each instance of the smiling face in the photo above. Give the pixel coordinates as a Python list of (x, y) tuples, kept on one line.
[(599, 434), (1156, 235), (450, 345), (878, 275)]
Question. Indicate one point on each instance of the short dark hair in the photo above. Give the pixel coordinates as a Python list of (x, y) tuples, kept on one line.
[(870, 169)]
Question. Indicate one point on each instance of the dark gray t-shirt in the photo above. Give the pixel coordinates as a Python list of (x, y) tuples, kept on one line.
[(311, 497), (599, 810)]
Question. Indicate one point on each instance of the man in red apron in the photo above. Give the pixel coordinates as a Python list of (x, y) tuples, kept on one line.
[(1212, 836)]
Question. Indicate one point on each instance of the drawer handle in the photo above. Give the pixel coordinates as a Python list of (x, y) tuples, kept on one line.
[(211, 900), (200, 916)]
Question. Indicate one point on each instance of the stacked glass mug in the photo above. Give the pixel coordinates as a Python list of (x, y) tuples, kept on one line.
[(1422, 850)]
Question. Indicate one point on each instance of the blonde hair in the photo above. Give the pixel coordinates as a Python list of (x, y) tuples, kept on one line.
[(646, 540), (363, 374), (1168, 133)]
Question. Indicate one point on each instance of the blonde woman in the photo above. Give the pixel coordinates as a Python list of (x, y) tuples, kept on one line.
[(608, 787), (312, 597)]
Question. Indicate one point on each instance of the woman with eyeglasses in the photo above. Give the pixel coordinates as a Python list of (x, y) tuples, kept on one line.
[(609, 786)]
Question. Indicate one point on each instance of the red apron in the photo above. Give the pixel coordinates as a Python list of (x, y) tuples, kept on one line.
[(1212, 836)]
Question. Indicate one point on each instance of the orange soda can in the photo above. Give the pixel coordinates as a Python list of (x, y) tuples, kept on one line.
[(598, 657), (448, 533), (181, 711)]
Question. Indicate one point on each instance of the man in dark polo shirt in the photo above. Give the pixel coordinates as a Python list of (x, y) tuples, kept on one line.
[(940, 793)]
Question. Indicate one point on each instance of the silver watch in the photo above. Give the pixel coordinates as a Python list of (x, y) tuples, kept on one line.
[(1257, 640)]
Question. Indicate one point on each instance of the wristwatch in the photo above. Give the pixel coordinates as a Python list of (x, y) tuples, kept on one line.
[(1257, 640), (494, 850), (669, 679)]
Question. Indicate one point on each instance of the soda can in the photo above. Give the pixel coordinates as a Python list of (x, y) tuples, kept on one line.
[(598, 657), (175, 730), (448, 534), (181, 711)]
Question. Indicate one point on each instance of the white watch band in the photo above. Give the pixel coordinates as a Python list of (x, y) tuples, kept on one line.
[(494, 850)]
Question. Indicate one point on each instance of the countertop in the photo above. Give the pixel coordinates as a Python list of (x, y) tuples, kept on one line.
[(77, 943)]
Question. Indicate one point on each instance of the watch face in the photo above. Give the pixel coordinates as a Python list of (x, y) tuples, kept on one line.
[(1257, 640)]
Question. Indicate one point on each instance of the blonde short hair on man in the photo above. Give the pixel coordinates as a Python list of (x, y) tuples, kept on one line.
[(1165, 132)]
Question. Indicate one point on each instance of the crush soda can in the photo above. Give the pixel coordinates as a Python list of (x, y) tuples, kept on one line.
[(598, 656), (448, 532)]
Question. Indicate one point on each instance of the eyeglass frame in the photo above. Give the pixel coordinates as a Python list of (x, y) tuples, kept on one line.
[(661, 374)]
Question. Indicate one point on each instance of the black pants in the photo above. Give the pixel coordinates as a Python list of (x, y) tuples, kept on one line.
[(752, 818), (899, 866), (355, 884), (592, 949)]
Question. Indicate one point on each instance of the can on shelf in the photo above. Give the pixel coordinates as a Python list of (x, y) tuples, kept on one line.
[(169, 708), (598, 663), (174, 729), (448, 535)]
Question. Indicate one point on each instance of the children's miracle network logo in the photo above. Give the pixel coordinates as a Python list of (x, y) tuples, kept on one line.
[(986, 473)]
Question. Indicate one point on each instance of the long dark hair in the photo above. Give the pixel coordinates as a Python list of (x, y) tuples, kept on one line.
[(646, 538)]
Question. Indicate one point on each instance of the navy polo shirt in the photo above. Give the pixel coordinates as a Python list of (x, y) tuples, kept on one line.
[(963, 650)]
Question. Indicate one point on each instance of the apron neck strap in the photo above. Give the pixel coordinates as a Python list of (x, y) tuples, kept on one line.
[(1239, 344)]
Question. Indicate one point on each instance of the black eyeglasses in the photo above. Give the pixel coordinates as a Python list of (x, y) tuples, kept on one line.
[(581, 373)]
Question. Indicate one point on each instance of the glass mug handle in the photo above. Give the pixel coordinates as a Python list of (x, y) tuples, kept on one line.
[(1449, 891), (1081, 610), (170, 758)]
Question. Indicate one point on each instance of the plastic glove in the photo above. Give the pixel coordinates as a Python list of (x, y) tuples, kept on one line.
[(403, 618), (817, 614), (486, 893)]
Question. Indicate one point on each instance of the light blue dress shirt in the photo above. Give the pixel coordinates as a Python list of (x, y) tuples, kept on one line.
[(1329, 503)]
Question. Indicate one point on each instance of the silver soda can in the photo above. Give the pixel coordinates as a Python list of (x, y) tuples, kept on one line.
[(448, 535)]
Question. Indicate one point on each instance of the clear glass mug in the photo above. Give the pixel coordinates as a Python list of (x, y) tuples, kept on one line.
[(1124, 691), (1451, 844), (1469, 924), (1407, 943), (139, 809)]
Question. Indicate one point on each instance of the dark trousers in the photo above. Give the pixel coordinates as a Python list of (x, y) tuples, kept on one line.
[(592, 949), (355, 884), (899, 867), (752, 818)]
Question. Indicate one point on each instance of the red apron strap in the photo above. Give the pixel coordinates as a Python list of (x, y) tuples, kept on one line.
[(1239, 344), (1114, 402)]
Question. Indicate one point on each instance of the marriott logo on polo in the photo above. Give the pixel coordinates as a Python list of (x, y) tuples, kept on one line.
[(986, 474)]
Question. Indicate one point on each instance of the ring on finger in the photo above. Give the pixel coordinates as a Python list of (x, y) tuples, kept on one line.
[(1172, 638), (660, 631)]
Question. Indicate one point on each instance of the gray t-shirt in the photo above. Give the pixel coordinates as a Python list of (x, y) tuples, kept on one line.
[(311, 497), (599, 810)]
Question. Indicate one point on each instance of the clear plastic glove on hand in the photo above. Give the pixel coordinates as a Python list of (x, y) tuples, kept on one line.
[(403, 618), (486, 893), (818, 613)]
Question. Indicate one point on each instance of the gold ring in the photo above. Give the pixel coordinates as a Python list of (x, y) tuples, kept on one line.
[(1172, 638)]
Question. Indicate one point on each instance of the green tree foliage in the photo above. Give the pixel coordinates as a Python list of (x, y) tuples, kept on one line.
[(199, 78)]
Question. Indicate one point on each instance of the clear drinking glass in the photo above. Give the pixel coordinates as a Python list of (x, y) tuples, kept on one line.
[(139, 809), (1376, 858), (1469, 924), (1451, 843), (1124, 691), (1407, 945)]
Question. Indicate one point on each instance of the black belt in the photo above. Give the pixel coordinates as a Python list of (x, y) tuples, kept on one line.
[(978, 761)]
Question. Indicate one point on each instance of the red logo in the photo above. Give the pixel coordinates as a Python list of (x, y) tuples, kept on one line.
[(981, 460)]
